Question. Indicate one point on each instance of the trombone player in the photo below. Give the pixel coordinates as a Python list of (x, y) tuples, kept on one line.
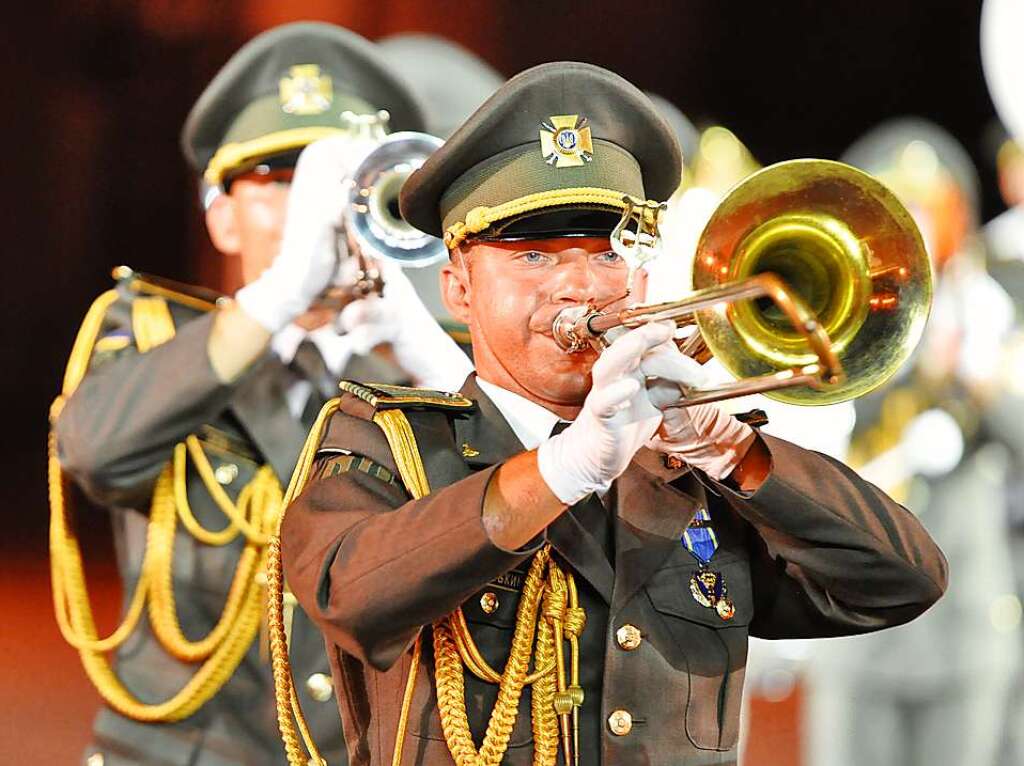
[(185, 416), (556, 565)]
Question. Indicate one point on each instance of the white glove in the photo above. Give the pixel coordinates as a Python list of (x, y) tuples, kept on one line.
[(368, 322), (309, 244), (704, 435), (420, 345), (617, 419)]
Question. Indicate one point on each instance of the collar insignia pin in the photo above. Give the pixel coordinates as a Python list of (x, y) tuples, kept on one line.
[(305, 90), (565, 141), (468, 450)]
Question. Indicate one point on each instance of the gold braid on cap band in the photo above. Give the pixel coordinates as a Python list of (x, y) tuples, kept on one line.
[(479, 218), (236, 154)]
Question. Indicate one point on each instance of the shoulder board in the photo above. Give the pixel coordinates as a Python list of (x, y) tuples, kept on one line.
[(382, 396), (192, 296)]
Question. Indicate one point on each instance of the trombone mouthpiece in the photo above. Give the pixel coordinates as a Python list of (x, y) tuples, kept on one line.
[(571, 329)]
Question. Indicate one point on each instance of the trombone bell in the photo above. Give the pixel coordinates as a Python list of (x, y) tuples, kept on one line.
[(812, 286), (845, 245)]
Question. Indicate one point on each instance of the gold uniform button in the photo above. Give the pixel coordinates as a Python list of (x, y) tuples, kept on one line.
[(628, 637), (489, 602), (226, 473), (620, 722), (320, 687)]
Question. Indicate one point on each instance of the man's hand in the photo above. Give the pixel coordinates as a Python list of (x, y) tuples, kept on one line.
[(616, 420), (420, 345), (703, 435), (309, 256)]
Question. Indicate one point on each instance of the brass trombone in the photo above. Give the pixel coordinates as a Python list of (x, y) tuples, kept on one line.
[(811, 283)]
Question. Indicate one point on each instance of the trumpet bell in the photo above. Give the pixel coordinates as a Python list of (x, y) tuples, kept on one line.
[(843, 242), (372, 217)]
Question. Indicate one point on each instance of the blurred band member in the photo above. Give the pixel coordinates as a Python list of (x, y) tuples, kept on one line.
[(935, 692), (198, 411), (1002, 57)]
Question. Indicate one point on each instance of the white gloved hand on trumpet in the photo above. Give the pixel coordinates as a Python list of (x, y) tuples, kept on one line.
[(398, 317), (617, 419), (308, 257), (703, 435)]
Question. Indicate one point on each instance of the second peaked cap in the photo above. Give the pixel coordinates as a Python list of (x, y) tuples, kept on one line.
[(284, 89)]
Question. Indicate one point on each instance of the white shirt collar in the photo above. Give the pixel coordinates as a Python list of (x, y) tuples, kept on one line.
[(334, 348), (530, 422)]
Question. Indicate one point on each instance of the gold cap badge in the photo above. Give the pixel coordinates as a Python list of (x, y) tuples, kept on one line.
[(565, 141), (305, 90)]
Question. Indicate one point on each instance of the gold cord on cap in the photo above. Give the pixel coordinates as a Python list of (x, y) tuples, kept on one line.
[(479, 218)]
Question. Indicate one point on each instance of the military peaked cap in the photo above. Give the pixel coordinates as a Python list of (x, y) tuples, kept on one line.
[(551, 153), (285, 89)]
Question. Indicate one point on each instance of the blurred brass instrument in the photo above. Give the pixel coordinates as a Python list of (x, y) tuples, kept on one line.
[(811, 283), (372, 226)]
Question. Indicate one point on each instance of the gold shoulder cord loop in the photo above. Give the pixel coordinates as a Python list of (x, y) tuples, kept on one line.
[(254, 516), (289, 712)]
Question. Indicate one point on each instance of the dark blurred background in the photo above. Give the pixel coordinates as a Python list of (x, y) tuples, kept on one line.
[(98, 90)]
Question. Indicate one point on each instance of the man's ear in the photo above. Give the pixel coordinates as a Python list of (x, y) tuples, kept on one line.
[(456, 292), (222, 224)]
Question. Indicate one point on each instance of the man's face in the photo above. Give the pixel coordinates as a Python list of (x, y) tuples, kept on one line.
[(509, 293), (253, 212)]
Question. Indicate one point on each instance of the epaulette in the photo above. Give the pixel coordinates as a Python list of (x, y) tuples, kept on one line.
[(383, 396), (192, 296)]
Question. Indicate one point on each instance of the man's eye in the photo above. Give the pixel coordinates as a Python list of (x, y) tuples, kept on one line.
[(610, 256), (532, 256)]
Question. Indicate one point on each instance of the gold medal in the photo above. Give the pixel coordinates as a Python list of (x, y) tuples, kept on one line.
[(725, 608), (703, 584), (708, 589)]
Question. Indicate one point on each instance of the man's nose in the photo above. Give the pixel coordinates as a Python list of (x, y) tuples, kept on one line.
[(574, 282)]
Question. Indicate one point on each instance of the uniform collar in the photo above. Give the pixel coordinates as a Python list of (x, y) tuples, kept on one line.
[(485, 436), (530, 422)]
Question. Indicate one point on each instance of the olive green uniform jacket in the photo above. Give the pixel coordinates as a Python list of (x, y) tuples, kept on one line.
[(816, 551), (116, 434)]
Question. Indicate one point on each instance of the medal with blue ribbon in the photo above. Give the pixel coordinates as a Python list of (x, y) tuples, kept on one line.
[(706, 585)]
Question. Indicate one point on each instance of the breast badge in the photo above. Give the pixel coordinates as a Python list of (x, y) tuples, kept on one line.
[(706, 585)]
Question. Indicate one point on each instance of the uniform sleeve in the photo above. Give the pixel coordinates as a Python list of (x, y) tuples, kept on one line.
[(120, 426), (371, 566), (832, 554)]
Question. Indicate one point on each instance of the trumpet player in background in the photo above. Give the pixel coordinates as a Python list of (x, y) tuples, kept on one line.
[(556, 565), (184, 415), (1003, 63), (938, 437)]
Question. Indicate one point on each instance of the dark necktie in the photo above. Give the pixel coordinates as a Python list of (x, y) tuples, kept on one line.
[(308, 364), (590, 512)]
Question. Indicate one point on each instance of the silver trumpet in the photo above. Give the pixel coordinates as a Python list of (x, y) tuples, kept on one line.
[(372, 228)]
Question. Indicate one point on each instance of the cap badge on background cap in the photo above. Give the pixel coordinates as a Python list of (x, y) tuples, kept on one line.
[(305, 90), (565, 141)]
